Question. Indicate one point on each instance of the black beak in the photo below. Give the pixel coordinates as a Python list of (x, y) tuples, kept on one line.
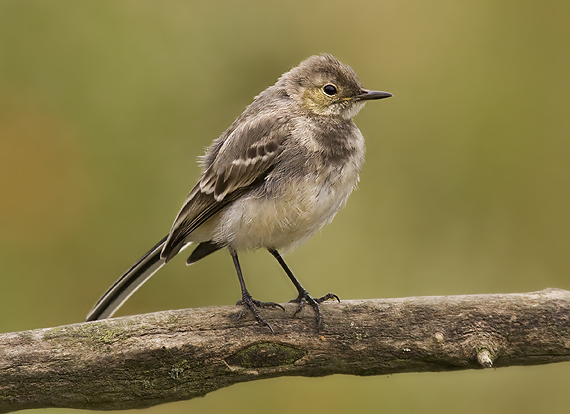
[(366, 95)]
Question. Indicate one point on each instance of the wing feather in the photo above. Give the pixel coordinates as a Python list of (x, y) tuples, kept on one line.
[(243, 160)]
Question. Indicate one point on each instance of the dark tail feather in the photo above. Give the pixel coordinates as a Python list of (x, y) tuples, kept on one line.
[(131, 280), (203, 250)]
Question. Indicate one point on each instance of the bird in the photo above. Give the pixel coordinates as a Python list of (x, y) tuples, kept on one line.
[(277, 175)]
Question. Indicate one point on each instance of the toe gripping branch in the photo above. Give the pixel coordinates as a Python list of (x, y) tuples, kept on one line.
[(252, 305)]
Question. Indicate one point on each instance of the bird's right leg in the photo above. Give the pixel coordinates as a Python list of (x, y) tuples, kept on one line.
[(246, 300)]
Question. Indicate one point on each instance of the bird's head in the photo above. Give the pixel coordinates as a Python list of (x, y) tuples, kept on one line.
[(324, 86)]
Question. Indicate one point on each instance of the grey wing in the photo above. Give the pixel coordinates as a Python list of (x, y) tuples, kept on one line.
[(240, 162)]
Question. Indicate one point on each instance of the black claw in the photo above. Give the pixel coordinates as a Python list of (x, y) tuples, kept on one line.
[(327, 297), (305, 298), (260, 304), (250, 304)]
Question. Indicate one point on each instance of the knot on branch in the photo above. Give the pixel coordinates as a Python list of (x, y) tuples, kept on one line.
[(265, 355)]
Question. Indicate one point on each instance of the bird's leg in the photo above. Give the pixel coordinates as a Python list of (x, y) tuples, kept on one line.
[(247, 301), (304, 296)]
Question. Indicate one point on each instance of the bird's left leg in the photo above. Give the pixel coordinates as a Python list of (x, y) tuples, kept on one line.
[(304, 296)]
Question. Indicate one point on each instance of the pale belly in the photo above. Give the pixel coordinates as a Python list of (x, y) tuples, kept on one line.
[(283, 222)]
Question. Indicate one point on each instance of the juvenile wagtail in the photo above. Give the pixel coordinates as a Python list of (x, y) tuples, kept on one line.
[(278, 174)]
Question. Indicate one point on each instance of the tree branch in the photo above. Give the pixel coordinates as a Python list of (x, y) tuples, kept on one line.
[(140, 361)]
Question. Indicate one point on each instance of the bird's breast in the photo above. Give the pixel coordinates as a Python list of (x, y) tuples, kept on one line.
[(289, 208)]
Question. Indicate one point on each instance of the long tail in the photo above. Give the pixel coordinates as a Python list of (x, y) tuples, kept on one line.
[(131, 280)]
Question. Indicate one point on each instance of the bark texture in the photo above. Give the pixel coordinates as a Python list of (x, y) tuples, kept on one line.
[(144, 360)]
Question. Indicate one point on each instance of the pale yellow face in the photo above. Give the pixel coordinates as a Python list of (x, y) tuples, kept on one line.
[(331, 98)]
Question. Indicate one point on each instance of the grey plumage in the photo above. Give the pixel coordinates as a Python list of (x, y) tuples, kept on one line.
[(278, 174)]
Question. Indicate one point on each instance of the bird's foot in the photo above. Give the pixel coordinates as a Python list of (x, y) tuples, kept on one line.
[(250, 304), (304, 298)]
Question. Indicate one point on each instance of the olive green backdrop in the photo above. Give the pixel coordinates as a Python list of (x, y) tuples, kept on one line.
[(105, 105)]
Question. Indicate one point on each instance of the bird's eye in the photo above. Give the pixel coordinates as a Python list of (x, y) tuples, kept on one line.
[(330, 90)]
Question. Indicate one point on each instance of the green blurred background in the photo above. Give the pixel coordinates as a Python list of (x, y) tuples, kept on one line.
[(105, 105)]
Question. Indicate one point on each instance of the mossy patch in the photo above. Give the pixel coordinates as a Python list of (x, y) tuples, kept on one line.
[(178, 368), (97, 332), (265, 355)]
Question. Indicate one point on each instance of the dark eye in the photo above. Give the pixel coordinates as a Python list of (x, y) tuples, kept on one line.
[(330, 90)]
